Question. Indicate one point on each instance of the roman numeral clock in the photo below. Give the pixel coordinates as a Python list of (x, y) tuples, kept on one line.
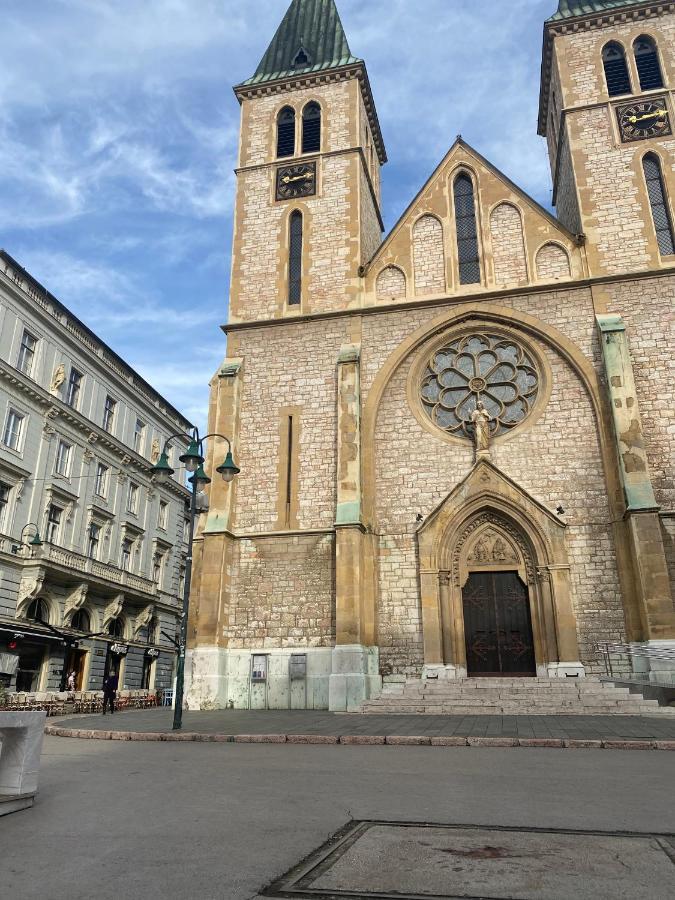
[(297, 180), (643, 119)]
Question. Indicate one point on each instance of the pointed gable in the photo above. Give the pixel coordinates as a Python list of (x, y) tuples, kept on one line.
[(519, 242), (310, 39)]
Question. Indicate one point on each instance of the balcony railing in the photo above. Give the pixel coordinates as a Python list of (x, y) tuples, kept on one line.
[(51, 553)]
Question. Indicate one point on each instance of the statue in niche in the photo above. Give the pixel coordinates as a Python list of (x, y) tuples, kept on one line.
[(155, 451), (481, 429), (58, 378)]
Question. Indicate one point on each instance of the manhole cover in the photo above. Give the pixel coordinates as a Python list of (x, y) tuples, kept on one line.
[(413, 861)]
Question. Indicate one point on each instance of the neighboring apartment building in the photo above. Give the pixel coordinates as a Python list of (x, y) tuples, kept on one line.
[(79, 431)]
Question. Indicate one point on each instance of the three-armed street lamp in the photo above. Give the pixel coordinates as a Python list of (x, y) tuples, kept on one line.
[(193, 459)]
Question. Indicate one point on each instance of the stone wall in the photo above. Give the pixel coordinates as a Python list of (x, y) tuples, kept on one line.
[(391, 284), (552, 263), (289, 366), (283, 590), (646, 307), (429, 256), (508, 248)]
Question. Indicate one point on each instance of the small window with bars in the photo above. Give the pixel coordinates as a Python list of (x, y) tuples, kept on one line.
[(647, 62), (311, 128), (286, 132), (295, 260), (467, 235), (616, 70), (659, 204)]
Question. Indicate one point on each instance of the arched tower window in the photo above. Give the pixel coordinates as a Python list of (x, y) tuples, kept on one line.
[(657, 199), (295, 259), (311, 128), (616, 69), (286, 132), (647, 62), (467, 235)]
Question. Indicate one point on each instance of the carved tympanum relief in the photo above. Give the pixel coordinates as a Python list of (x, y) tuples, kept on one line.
[(498, 544)]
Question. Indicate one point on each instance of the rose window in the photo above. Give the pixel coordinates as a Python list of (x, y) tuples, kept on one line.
[(479, 367)]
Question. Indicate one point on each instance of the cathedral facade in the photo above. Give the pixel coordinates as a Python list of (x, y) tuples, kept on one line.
[(456, 442)]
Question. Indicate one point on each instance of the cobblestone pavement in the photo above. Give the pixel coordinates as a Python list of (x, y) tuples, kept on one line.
[(311, 722)]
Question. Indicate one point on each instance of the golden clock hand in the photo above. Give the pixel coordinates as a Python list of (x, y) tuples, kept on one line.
[(658, 114)]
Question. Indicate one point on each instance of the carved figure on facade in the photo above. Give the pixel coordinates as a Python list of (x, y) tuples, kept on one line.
[(511, 556), (113, 610), (29, 587), (75, 600), (58, 378), (155, 451), (144, 618), (480, 419)]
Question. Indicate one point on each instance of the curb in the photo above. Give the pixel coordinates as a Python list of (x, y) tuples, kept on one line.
[(360, 740)]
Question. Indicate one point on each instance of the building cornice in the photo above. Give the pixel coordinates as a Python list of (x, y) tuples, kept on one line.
[(589, 22), (456, 300), (16, 278), (312, 79)]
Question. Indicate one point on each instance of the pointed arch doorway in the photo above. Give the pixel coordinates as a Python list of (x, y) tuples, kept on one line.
[(497, 625), (495, 584)]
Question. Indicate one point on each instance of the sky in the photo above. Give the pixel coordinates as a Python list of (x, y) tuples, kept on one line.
[(118, 139)]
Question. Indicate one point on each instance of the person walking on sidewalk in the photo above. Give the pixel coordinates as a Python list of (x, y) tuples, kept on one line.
[(109, 692)]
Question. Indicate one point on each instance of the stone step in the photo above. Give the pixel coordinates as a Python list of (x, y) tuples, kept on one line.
[(513, 696)]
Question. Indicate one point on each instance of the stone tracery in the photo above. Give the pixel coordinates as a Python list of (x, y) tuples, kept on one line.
[(480, 367)]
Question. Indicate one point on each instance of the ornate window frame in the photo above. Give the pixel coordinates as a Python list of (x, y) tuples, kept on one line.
[(426, 351)]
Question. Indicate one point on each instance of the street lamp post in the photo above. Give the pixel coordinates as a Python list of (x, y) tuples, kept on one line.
[(193, 459)]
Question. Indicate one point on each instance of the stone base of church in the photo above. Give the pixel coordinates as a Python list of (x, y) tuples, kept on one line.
[(354, 677), (339, 678)]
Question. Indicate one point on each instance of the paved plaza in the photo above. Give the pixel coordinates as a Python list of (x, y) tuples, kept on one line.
[(221, 821), (306, 722)]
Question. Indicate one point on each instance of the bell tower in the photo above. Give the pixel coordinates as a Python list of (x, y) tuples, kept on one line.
[(606, 112), (307, 212)]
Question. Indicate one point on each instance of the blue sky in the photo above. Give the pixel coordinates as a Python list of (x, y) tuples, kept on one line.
[(118, 137)]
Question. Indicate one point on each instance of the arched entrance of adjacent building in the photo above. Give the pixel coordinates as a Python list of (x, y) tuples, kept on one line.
[(497, 625)]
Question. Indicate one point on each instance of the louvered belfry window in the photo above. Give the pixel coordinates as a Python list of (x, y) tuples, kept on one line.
[(616, 70), (286, 132), (295, 260), (659, 204), (467, 236), (311, 128), (647, 62)]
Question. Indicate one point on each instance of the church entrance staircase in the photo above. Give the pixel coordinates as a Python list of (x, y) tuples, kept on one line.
[(514, 697)]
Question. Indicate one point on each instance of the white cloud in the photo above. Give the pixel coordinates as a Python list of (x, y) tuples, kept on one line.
[(119, 131)]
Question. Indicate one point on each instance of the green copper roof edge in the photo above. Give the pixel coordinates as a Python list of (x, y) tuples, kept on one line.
[(570, 9)]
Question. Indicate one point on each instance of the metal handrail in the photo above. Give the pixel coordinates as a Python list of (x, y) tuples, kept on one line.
[(608, 648)]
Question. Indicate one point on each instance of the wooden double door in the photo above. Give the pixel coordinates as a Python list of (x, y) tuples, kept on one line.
[(497, 625)]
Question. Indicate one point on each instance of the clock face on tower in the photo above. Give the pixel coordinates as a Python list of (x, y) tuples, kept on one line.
[(643, 119), (296, 181)]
